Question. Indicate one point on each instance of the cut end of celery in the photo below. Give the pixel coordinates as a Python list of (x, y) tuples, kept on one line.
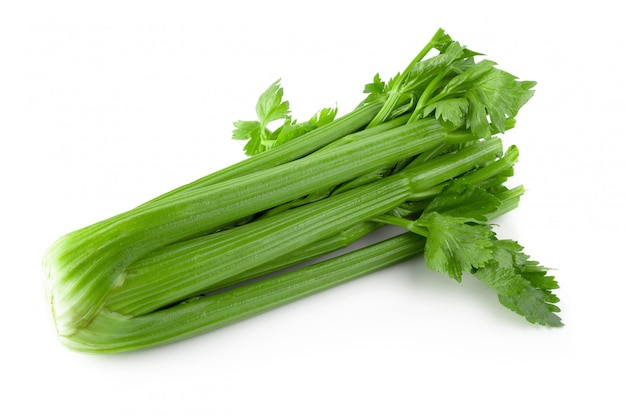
[(76, 288)]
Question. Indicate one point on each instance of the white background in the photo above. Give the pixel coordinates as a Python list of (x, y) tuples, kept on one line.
[(104, 105)]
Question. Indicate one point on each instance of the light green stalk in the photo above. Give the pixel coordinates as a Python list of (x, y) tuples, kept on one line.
[(177, 272), (83, 267), (111, 332), (292, 150)]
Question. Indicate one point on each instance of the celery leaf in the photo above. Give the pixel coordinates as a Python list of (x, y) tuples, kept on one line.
[(535, 305), (270, 105), (452, 110), (323, 117), (502, 272), (461, 199), (455, 244), (246, 129), (493, 97), (522, 284), (375, 90), (292, 129)]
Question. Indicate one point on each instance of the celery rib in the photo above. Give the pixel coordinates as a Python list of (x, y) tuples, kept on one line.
[(290, 151), (129, 236), (111, 332), (192, 267)]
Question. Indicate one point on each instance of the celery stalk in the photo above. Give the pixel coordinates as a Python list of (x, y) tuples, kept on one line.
[(112, 332), (88, 264), (167, 275)]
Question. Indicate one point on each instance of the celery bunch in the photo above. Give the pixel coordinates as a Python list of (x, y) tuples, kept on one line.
[(420, 152)]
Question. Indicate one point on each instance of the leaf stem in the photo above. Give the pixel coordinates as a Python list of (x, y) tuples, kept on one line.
[(394, 97), (425, 96), (405, 223)]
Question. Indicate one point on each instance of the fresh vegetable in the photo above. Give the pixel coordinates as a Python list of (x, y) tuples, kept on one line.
[(420, 152)]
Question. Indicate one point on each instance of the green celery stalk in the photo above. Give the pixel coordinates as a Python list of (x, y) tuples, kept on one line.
[(111, 332), (290, 151), (176, 272), (89, 263), (316, 249)]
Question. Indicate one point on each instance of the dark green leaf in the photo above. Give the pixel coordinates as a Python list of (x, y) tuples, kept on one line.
[(455, 244), (452, 110), (467, 77), (424, 71), (502, 272), (535, 305), (522, 285), (477, 120), (461, 199)]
